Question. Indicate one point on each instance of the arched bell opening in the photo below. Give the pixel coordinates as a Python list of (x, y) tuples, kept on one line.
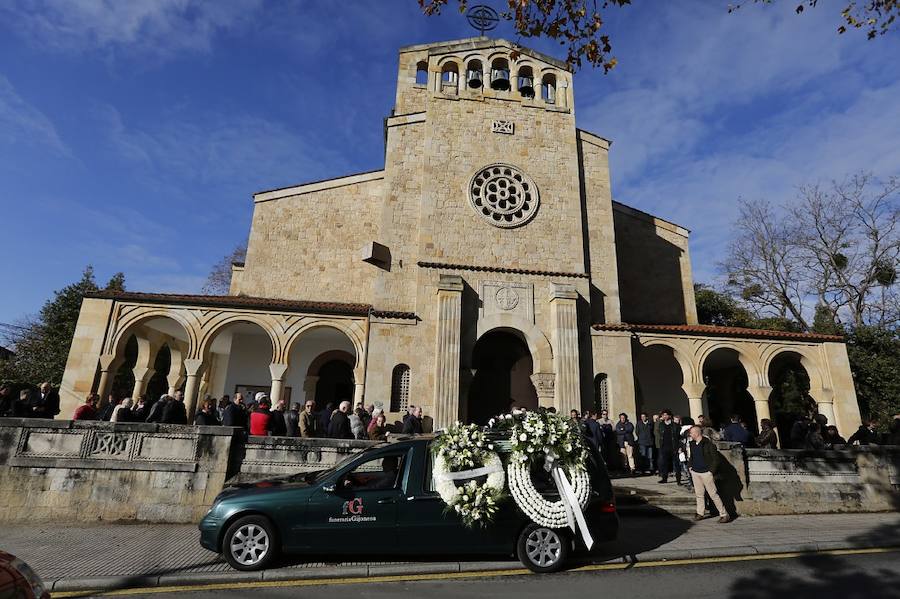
[(500, 74), (422, 73), (525, 82), (474, 74), (548, 88), (450, 78)]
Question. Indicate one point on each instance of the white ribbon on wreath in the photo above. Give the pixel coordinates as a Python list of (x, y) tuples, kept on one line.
[(444, 480), (573, 496)]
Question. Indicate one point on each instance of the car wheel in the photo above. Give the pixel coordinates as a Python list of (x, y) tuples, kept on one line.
[(249, 543), (543, 549)]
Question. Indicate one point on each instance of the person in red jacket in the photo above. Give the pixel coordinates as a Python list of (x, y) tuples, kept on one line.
[(87, 410), (261, 419)]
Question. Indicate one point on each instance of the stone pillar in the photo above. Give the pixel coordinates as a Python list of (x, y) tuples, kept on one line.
[(824, 403), (142, 376), (108, 367), (175, 378), (192, 369), (694, 392), (544, 384), (562, 95), (446, 376), (358, 394), (277, 371), (760, 394), (564, 318)]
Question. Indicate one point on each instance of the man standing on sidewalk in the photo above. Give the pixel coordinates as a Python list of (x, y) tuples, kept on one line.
[(703, 460), (666, 437)]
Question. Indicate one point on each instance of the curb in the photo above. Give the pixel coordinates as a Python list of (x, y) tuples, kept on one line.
[(109, 583)]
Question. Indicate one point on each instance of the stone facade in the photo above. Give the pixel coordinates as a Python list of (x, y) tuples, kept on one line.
[(491, 225)]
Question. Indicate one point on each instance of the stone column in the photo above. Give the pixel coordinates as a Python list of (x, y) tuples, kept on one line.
[(760, 394), (108, 367), (446, 376), (175, 378), (694, 392), (562, 96), (192, 369), (142, 376), (358, 394), (824, 403), (277, 371), (544, 384), (564, 318), (309, 389)]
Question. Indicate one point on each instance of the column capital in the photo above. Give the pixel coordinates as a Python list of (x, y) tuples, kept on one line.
[(694, 390), (192, 366), (277, 371), (545, 385), (450, 283), (106, 361), (564, 291)]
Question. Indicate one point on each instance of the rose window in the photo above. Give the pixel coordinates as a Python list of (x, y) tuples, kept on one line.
[(503, 195)]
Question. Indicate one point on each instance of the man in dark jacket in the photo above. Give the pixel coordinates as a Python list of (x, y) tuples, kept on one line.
[(644, 430), (156, 408), (7, 401), (234, 413), (174, 411), (339, 427), (279, 426), (412, 424), (704, 461), (667, 437), (593, 434), (735, 433), (44, 403), (292, 421), (625, 441), (207, 416), (866, 434)]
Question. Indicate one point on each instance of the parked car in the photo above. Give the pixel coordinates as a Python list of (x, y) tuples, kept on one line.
[(381, 502), (18, 580)]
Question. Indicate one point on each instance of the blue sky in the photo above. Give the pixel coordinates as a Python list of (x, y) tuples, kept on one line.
[(132, 134)]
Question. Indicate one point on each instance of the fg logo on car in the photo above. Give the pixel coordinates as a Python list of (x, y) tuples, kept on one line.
[(354, 507)]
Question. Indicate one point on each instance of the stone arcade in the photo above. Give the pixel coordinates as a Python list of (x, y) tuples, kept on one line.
[(485, 265)]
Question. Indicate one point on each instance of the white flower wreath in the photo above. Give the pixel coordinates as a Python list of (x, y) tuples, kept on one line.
[(542, 511), (446, 487)]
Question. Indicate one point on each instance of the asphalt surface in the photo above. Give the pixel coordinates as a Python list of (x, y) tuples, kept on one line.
[(812, 576)]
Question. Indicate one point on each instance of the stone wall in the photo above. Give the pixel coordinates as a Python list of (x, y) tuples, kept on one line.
[(855, 479), (56, 470)]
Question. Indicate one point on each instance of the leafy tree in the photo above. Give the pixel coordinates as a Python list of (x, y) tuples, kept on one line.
[(42, 344), (218, 282), (578, 24), (874, 354), (717, 308)]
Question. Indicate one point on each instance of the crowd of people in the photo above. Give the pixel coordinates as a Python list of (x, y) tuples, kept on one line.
[(657, 444), (257, 416)]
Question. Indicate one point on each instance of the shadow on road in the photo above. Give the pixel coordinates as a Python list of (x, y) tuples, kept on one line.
[(827, 576), (637, 534)]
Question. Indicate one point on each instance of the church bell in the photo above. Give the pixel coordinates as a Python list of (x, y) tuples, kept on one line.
[(473, 78), (526, 87), (500, 78)]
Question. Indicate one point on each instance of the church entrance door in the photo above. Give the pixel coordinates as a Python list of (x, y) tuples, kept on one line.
[(335, 384), (503, 367)]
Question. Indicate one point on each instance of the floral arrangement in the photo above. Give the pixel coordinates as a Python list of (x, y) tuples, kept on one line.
[(537, 435), (464, 453)]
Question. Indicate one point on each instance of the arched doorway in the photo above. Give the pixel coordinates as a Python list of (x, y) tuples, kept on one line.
[(789, 400), (503, 367), (335, 383), (726, 389), (658, 380)]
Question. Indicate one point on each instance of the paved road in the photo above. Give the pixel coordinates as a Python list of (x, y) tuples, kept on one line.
[(820, 576)]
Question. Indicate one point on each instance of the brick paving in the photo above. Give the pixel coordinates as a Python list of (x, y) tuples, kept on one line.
[(90, 550)]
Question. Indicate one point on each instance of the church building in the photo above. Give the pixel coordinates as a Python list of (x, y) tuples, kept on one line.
[(485, 266)]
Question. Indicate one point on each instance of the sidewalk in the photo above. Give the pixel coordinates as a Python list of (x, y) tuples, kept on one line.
[(105, 556)]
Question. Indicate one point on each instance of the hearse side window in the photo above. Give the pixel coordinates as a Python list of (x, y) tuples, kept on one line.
[(379, 473)]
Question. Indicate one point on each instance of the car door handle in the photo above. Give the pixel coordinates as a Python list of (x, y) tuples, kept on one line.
[(423, 498), (386, 500)]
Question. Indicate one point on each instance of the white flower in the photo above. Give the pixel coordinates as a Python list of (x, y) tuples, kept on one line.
[(523, 437)]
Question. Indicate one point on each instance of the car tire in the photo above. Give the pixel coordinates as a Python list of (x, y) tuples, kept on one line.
[(250, 543), (542, 549)]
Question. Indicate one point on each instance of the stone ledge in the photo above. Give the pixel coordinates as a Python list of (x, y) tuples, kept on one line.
[(89, 464)]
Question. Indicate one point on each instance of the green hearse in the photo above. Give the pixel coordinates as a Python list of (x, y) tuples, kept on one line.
[(382, 502)]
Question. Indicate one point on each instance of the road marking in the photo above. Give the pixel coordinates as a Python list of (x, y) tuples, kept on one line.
[(261, 584)]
